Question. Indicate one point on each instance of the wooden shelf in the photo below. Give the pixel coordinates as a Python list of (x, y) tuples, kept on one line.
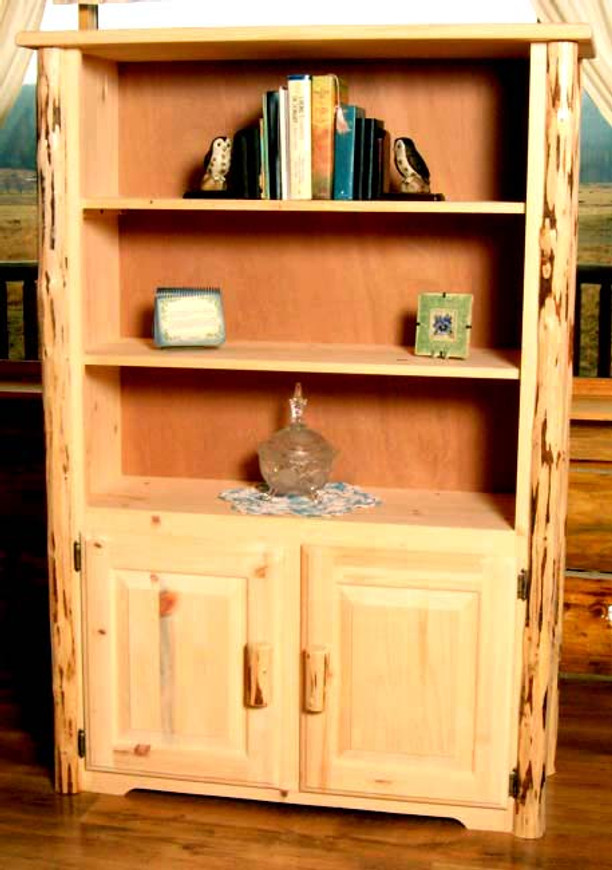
[(469, 510), (325, 358), (124, 204), (329, 42)]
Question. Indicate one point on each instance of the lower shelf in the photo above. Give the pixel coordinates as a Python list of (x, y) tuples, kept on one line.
[(448, 509)]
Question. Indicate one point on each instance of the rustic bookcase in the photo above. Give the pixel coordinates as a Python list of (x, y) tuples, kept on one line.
[(401, 659)]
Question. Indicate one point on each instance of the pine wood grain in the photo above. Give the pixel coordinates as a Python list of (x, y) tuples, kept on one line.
[(550, 457), (55, 100), (377, 41)]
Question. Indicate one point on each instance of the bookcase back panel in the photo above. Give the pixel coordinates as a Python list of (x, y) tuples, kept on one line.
[(468, 119), (391, 433), (338, 278)]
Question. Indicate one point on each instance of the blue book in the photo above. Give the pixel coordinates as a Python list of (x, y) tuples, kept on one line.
[(344, 146)]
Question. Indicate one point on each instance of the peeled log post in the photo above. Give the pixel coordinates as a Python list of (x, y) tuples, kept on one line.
[(53, 313), (542, 636)]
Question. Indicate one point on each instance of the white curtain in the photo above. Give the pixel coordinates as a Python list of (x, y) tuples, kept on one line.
[(598, 72), (15, 15)]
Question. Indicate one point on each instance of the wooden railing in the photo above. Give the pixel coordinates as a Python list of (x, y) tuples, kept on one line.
[(24, 273), (19, 376), (600, 277)]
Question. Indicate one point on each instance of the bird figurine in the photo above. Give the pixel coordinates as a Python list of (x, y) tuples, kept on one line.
[(411, 166), (217, 164)]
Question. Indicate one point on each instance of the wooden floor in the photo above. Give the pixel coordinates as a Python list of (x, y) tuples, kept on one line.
[(41, 829)]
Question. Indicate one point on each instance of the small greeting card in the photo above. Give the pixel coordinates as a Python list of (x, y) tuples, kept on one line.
[(444, 321), (188, 317)]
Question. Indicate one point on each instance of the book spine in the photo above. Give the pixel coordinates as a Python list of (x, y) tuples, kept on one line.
[(369, 158), (358, 180), (243, 179), (384, 162), (263, 163), (300, 117), (328, 91), (283, 135), (378, 158), (344, 151), (271, 129)]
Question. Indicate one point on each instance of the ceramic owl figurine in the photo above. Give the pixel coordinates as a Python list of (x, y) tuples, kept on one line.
[(411, 167), (217, 164)]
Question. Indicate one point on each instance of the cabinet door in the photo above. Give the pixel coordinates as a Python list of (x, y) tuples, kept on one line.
[(183, 658), (408, 674)]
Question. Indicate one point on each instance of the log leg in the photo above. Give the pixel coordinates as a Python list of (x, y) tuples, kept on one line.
[(542, 636), (53, 300)]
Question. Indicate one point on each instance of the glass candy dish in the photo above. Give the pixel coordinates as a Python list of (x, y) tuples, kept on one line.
[(296, 460)]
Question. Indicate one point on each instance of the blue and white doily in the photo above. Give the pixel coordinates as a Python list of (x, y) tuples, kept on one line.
[(333, 500)]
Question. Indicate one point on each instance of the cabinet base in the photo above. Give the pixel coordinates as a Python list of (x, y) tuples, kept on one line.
[(474, 818)]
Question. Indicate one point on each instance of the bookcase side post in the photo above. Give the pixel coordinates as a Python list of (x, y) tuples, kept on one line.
[(56, 78), (542, 634)]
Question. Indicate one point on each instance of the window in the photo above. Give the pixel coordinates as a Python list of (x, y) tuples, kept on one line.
[(594, 287), (18, 229)]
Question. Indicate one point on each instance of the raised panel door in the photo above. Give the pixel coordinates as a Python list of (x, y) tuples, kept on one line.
[(183, 658), (408, 673)]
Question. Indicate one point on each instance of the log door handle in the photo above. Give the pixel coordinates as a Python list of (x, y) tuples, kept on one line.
[(316, 672), (257, 674)]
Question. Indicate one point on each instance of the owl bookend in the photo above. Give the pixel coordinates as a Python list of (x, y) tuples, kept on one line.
[(414, 172), (215, 170), (217, 164)]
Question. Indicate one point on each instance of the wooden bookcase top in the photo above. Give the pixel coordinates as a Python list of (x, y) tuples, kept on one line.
[(265, 43)]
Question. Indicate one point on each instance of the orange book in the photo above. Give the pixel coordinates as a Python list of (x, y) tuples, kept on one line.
[(328, 91)]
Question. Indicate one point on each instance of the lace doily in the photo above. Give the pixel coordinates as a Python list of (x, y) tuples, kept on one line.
[(333, 500)]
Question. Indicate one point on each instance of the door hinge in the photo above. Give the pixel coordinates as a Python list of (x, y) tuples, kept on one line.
[(81, 743), (513, 784), (76, 554), (524, 584)]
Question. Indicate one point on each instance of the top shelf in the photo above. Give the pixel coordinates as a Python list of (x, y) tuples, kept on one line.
[(267, 43), (125, 204)]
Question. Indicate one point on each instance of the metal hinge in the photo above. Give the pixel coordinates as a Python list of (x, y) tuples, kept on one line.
[(81, 743), (76, 555), (524, 582), (513, 784)]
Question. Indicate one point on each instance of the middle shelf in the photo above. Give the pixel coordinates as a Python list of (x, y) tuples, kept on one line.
[(484, 363)]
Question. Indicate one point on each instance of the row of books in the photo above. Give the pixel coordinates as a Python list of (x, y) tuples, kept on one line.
[(311, 144)]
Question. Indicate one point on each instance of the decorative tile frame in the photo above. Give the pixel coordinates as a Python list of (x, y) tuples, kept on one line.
[(444, 322)]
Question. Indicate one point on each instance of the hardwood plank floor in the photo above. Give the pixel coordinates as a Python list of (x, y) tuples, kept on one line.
[(41, 829)]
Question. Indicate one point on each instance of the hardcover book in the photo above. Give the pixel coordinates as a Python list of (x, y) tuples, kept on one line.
[(380, 161), (245, 170), (328, 92), (283, 143), (300, 137), (272, 143), (263, 163), (359, 170), (344, 150), (368, 158)]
